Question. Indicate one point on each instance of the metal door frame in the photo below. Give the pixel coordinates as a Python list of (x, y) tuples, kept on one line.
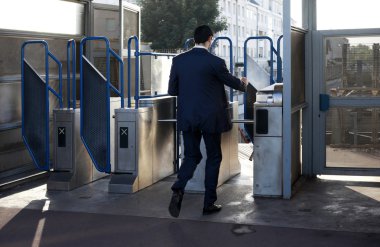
[(319, 117)]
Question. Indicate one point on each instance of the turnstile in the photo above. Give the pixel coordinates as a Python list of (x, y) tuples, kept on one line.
[(267, 170), (145, 146), (71, 165)]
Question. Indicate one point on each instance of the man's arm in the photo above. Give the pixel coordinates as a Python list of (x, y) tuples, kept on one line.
[(224, 76), (173, 81)]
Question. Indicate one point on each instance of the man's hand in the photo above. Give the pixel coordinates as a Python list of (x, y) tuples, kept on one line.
[(245, 81)]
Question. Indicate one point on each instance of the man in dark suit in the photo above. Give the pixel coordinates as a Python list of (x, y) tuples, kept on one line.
[(197, 78)]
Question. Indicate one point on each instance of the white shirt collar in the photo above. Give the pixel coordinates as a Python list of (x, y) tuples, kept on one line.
[(200, 46)]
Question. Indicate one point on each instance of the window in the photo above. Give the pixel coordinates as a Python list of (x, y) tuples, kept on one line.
[(63, 17), (365, 14)]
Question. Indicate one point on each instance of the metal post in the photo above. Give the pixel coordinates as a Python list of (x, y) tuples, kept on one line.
[(376, 65), (121, 17), (345, 48), (287, 106), (237, 32)]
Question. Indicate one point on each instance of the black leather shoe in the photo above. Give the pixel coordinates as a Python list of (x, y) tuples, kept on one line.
[(175, 203), (213, 208)]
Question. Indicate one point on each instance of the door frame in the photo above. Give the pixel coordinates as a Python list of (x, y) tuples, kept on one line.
[(319, 117)]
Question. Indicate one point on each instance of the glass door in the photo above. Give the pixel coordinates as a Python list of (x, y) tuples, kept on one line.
[(347, 118)]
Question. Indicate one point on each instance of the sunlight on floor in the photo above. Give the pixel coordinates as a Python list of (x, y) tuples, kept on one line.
[(371, 192), (8, 217), (349, 178), (38, 233)]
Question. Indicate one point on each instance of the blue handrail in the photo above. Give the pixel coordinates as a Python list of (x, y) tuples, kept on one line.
[(271, 54), (71, 45), (109, 51), (187, 43), (231, 59), (279, 60), (48, 88), (137, 70)]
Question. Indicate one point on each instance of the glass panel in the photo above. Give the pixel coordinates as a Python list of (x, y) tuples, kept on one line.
[(352, 66), (131, 26), (48, 16), (106, 23), (347, 14), (296, 13), (352, 137)]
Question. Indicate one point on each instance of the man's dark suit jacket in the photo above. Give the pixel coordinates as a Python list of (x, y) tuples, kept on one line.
[(197, 77)]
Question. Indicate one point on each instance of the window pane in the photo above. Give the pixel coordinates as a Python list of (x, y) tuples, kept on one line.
[(352, 137), (48, 16), (296, 13), (352, 66), (347, 14)]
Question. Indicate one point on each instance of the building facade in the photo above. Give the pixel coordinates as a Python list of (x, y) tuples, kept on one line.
[(247, 18)]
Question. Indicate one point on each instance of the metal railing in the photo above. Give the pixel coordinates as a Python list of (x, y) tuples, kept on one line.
[(109, 86), (46, 94), (271, 54), (187, 43), (71, 45), (279, 60), (231, 59), (138, 54)]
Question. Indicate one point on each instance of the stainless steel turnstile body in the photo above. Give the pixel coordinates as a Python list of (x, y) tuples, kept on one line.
[(268, 142), (72, 164), (144, 147), (230, 165)]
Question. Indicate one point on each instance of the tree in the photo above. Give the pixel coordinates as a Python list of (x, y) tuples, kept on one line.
[(168, 23)]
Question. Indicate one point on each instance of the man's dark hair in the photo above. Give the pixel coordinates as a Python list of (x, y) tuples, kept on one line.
[(202, 33)]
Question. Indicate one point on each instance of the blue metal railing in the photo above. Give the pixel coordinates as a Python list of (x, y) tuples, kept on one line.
[(271, 54), (279, 60), (137, 70), (271, 80), (109, 86), (47, 90), (71, 45), (187, 43), (231, 59)]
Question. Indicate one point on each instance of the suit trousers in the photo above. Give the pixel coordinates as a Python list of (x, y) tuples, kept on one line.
[(193, 156)]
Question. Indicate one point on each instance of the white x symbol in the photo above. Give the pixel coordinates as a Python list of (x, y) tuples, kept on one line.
[(124, 132), (61, 131)]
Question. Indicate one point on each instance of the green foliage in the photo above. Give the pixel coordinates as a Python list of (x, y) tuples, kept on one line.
[(168, 23), (361, 52)]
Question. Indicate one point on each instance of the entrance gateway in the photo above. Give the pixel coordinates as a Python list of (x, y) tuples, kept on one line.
[(346, 82)]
